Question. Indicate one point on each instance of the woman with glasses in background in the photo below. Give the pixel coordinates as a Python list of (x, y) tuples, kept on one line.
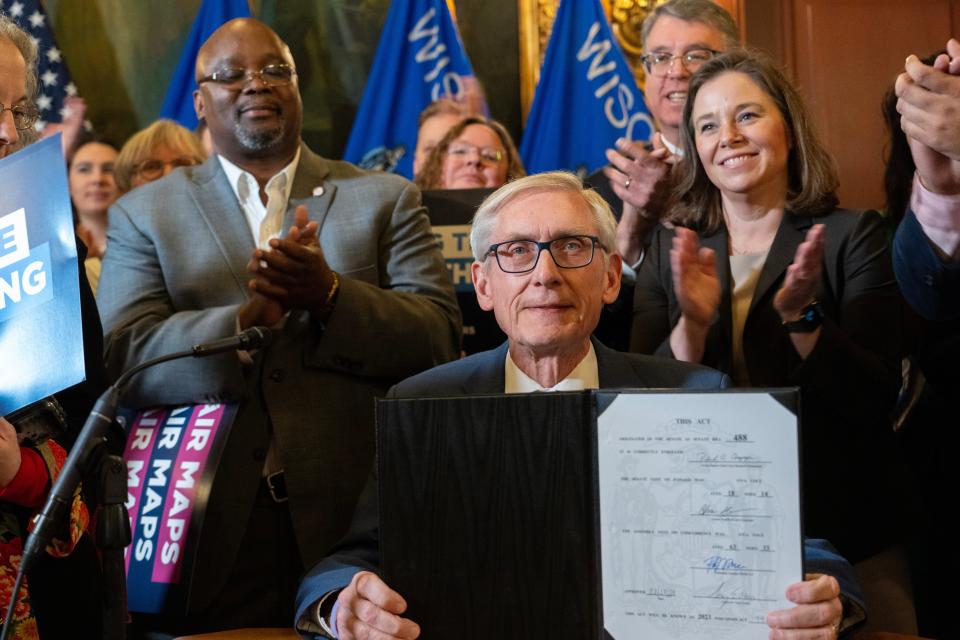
[(477, 153), (154, 152)]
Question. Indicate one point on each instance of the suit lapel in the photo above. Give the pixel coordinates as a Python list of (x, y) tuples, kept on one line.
[(308, 181), (614, 369), (218, 207), (790, 234), (487, 376)]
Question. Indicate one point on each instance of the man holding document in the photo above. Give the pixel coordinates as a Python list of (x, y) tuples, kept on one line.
[(548, 305)]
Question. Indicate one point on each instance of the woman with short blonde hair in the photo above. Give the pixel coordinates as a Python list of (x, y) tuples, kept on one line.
[(154, 152)]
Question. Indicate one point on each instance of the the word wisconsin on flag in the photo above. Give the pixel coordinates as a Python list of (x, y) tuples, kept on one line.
[(420, 58), (587, 96)]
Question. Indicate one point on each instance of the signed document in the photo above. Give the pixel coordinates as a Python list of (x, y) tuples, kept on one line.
[(699, 512)]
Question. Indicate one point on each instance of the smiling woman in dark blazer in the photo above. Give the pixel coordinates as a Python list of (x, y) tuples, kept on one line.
[(764, 278)]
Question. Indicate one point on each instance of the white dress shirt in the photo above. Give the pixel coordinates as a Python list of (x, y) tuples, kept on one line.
[(265, 221), (585, 375)]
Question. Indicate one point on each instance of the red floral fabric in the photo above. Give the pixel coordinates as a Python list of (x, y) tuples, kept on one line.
[(13, 527)]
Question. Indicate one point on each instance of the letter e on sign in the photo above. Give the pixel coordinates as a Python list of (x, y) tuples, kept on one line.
[(13, 238)]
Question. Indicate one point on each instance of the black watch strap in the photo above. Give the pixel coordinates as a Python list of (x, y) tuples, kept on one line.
[(810, 319)]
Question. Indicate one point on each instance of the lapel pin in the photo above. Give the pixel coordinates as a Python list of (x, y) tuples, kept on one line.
[(318, 191)]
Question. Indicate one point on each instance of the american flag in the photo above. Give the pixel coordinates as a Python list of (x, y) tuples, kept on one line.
[(55, 82)]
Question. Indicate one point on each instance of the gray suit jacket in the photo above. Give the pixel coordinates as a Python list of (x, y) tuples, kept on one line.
[(175, 276), (480, 374)]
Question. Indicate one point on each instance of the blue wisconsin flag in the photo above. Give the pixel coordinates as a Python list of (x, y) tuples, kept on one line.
[(178, 103), (587, 96), (419, 59)]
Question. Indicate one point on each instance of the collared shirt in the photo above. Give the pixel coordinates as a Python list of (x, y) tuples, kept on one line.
[(939, 216), (672, 148), (585, 375), (247, 190)]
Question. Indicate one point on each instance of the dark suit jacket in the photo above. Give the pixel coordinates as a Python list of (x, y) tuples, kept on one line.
[(849, 382), (930, 285), (480, 374), (175, 275)]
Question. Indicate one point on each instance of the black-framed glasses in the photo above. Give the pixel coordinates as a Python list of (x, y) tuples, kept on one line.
[(153, 169), (272, 75), (568, 252), (23, 116), (658, 63)]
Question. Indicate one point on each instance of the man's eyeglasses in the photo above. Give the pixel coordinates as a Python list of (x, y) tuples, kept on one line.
[(487, 155), (272, 75), (23, 117), (153, 169), (568, 252), (658, 63)]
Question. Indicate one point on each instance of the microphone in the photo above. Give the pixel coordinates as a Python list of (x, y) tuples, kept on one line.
[(95, 430), (248, 340)]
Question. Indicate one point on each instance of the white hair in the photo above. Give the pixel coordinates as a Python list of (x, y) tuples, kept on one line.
[(562, 181)]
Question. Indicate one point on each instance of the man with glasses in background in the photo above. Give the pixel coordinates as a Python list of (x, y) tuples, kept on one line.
[(342, 265), (545, 264), (677, 38)]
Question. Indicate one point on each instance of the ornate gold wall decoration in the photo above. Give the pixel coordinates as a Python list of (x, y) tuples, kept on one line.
[(626, 18), (535, 18)]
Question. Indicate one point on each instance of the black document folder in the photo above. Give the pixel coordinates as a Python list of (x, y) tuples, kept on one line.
[(490, 515), (487, 517)]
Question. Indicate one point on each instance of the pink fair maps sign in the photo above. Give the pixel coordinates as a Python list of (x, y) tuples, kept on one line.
[(171, 456)]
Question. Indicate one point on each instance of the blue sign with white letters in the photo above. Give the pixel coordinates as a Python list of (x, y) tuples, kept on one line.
[(41, 335)]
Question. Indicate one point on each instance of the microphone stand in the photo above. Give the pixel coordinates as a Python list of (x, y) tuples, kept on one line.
[(113, 520)]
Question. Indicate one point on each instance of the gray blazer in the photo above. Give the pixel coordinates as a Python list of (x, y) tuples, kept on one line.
[(175, 276)]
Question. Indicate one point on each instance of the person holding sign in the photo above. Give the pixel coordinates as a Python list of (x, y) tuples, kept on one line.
[(545, 265), (766, 279), (51, 603)]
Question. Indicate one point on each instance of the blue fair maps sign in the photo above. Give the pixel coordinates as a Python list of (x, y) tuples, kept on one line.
[(41, 336)]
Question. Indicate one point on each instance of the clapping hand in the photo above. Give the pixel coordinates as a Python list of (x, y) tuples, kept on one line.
[(802, 277), (638, 177), (695, 281), (697, 288), (264, 308), (293, 271), (929, 106)]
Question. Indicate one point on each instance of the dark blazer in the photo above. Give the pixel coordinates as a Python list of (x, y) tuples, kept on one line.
[(930, 284), (480, 374), (175, 275), (849, 382)]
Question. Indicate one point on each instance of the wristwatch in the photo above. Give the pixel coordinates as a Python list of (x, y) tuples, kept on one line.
[(810, 319)]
